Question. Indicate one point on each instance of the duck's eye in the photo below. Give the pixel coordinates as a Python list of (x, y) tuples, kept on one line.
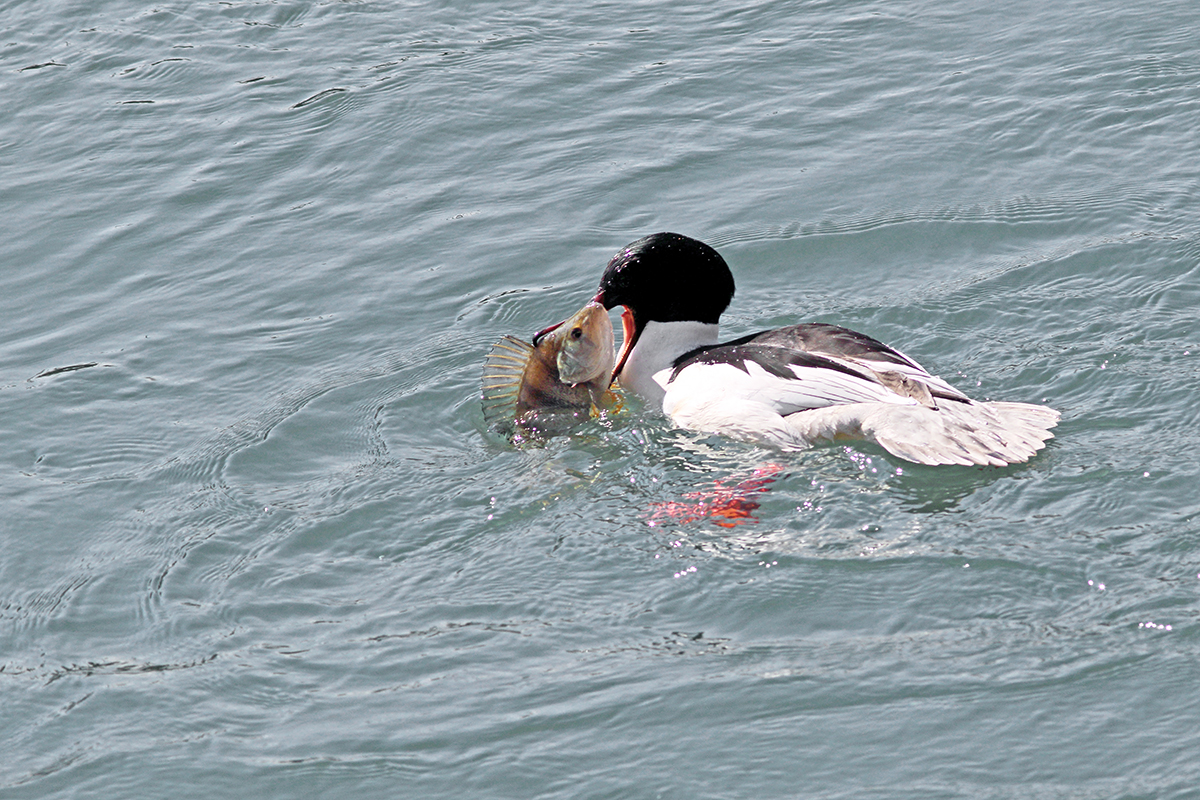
[(576, 333)]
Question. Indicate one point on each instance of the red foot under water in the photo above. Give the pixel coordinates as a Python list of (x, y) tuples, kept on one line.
[(726, 506)]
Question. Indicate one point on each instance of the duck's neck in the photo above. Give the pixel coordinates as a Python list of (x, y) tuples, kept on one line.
[(648, 367)]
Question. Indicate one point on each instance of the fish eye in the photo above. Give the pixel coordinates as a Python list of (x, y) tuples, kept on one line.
[(576, 333)]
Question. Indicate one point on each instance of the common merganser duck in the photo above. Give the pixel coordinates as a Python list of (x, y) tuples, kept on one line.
[(796, 386)]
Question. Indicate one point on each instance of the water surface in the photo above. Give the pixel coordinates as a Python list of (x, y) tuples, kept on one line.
[(257, 541)]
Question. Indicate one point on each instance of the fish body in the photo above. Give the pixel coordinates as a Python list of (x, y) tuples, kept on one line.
[(559, 378)]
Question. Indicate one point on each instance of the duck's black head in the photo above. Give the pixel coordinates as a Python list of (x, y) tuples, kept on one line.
[(666, 277)]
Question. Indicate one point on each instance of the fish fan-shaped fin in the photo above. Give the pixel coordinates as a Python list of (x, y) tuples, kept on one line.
[(503, 370)]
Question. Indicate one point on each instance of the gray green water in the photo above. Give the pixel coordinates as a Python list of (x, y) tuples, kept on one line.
[(262, 544)]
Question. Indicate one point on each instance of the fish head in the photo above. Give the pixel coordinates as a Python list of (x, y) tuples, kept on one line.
[(581, 345)]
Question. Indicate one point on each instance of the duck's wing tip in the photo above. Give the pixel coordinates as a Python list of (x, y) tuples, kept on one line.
[(967, 434)]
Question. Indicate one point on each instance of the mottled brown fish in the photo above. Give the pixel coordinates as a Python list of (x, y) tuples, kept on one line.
[(563, 376)]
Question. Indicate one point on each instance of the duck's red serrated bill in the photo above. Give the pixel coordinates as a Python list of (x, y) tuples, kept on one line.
[(630, 332)]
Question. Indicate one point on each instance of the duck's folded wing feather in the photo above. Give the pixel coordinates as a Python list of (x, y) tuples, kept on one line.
[(788, 380), (851, 347), (784, 389)]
